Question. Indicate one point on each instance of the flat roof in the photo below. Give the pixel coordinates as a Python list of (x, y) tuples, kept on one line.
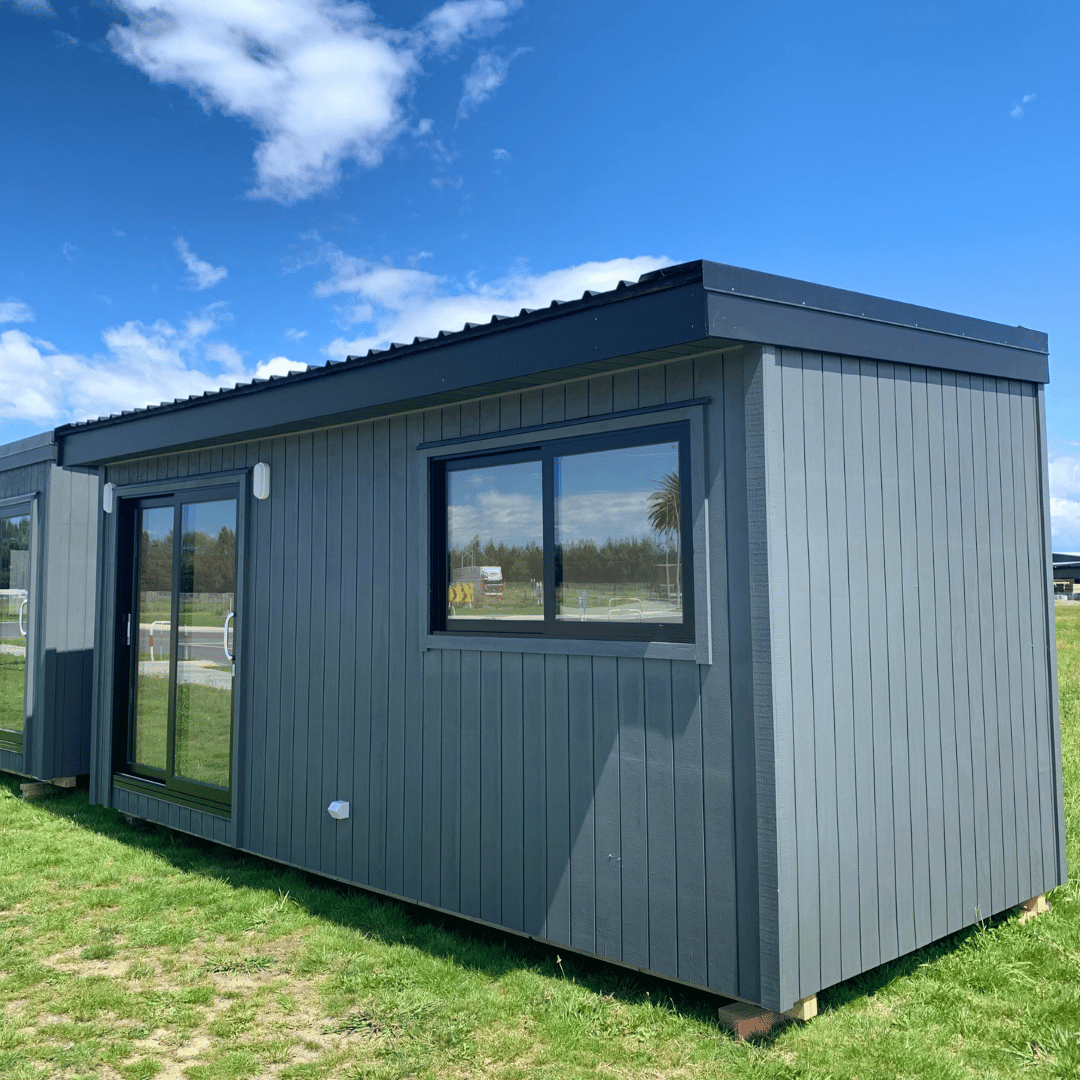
[(676, 311), (28, 451)]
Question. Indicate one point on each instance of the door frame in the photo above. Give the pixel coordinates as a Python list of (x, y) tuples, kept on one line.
[(236, 484), (15, 742)]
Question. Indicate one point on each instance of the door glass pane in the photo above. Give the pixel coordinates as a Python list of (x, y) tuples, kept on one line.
[(204, 672), (155, 531), (618, 535), (494, 535), (14, 612)]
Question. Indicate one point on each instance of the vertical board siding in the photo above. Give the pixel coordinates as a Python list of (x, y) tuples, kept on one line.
[(586, 800), (906, 524)]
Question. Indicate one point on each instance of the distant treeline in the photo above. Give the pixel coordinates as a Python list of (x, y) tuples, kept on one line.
[(635, 559), (207, 563)]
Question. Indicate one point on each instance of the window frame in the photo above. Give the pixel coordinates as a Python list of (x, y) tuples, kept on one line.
[(687, 640), (14, 742)]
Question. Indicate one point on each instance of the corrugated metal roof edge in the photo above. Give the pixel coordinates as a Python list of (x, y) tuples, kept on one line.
[(721, 278), (665, 278)]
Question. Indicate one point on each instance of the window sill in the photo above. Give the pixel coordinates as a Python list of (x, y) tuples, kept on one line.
[(651, 650)]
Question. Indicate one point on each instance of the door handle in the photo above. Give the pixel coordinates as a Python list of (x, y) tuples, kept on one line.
[(22, 608), (225, 636)]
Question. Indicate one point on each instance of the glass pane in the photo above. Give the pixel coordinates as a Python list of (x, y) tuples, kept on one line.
[(618, 535), (14, 611), (494, 530), (155, 530), (204, 672)]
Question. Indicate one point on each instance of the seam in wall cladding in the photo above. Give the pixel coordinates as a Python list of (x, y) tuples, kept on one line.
[(929, 482)]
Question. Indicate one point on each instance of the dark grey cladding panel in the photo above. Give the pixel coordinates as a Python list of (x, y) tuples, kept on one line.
[(414, 378), (876, 337)]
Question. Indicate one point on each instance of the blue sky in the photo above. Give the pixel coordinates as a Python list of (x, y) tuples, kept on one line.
[(195, 192)]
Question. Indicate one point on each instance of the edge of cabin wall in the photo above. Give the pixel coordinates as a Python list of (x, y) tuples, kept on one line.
[(908, 562), (68, 603), (101, 723), (1051, 637)]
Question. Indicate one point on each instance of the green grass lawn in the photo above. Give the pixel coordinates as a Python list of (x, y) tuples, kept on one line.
[(12, 691), (204, 725), (130, 951)]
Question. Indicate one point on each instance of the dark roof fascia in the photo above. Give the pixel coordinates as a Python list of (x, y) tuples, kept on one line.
[(29, 451), (745, 305), (615, 330), (693, 303)]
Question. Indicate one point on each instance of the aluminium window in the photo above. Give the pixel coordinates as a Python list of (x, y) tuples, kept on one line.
[(583, 537)]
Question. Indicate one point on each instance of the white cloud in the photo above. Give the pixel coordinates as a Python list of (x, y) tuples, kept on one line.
[(488, 73), (140, 365), (201, 275), (278, 365), (320, 80), (15, 311), (1065, 502), (295, 335), (450, 24), (398, 304), (33, 7), (1018, 109), (500, 155), (69, 251)]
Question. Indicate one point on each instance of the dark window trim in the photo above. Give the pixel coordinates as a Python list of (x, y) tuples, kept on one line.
[(176, 493), (546, 452)]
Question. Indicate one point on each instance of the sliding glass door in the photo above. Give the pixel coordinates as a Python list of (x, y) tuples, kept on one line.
[(179, 637), (14, 624)]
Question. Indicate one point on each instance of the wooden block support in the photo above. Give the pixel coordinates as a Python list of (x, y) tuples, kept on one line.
[(804, 1009), (37, 789), (1037, 905), (744, 1021)]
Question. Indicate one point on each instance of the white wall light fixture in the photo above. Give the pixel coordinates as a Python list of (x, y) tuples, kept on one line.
[(260, 481), (338, 810), (108, 498)]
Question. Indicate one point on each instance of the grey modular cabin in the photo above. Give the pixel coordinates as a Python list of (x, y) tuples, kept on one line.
[(703, 625), (48, 562)]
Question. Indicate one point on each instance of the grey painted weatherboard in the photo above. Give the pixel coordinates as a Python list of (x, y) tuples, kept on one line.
[(60, 614), (550, 794), (926, 772), (763, 825)]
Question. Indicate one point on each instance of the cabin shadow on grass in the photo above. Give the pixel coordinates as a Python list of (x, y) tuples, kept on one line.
[(443, 936)]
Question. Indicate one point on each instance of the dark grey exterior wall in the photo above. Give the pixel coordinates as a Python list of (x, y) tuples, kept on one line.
[(62, 742), (918, 785), (867, 764), (60, 623), (593, 801)]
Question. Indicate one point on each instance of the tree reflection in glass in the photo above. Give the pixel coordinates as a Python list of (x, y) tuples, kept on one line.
[(618, 535)]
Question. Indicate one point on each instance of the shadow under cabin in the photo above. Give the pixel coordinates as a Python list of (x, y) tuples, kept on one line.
[(703, 625), (48, 561)]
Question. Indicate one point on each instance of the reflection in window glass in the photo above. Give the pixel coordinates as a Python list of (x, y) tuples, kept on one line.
[(618, 535), (204, 673), (494, 535), (14, 619), (155, 619)]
